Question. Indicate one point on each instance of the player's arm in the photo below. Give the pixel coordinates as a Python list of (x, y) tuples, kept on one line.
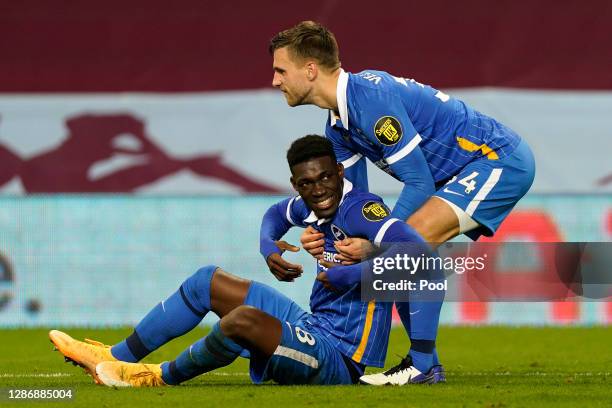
[(412, 197), (389, 126), (372, 221), (274, 225), (418, 183)]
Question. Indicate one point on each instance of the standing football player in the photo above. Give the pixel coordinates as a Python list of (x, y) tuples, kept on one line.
[(463, 171)]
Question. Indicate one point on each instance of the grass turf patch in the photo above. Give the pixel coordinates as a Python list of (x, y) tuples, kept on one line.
[(486, 367)]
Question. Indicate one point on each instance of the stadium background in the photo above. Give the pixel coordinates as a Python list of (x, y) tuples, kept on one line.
[(139, 141)]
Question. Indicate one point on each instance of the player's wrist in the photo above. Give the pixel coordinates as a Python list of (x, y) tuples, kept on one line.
[(267, 248)]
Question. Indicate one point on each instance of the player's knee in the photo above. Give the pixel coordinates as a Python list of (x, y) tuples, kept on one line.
[(201, 278), (197, 287), (240, 321)]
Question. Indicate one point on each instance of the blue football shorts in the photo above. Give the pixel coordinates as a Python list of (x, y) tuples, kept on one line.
[(485, 191), (303, 356)]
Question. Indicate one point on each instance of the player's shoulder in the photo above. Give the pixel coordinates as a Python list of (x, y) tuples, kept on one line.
[(370, 91), (297, 210), (332, 133), (372, 81), (371, 206)]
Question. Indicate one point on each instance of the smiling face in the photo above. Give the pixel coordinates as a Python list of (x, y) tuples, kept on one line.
[(291, 77), (319, 181)]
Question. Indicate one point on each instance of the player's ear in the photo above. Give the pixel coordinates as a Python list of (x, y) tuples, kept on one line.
[(312, 70), (340, 170)]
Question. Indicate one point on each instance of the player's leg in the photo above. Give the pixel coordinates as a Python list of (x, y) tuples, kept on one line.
[(304, 356), (210, 288), (231, 300), (481, 196), (172, 317), (282, 352), (242, 327), (214, 350), (473, 203), (477, 200), (436, 222), (420, 318)]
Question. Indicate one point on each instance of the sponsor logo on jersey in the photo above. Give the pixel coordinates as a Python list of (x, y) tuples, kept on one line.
[(330, 257), (388, 130), (338, 233), (374, 211)]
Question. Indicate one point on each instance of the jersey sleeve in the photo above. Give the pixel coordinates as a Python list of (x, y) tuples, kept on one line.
[(371, 219), (387, 125), (418, 183), (278, 220)]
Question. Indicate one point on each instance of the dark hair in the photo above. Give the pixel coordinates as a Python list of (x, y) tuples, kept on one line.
[(309, 40), (309, 147)]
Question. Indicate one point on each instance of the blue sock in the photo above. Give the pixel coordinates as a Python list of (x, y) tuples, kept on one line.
[(420, 319), (424, 326), (171, 318), (422, 361), (213, 351), (436, 360), (403, 310), (423, 323)]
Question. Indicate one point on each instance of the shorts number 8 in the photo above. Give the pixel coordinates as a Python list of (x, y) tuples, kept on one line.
[(304, 336)]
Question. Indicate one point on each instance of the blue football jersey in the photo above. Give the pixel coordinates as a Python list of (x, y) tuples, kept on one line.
[(389, 119), (360, 329)]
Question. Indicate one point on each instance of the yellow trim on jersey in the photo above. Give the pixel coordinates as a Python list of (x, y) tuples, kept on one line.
[(473, 147), (358, 354)]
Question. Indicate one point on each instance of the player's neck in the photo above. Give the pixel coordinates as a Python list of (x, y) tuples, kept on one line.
[(325, 96)]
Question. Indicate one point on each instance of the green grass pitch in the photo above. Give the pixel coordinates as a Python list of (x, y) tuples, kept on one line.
[(486, 366)]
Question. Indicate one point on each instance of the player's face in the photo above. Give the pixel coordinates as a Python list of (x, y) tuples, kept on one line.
[(290, 76), (319, 182)]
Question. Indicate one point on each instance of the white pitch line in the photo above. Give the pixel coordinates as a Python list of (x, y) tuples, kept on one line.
[(449, 374), (475, 374), (53, 375), (42, 375), (528, 374), (227, 374)]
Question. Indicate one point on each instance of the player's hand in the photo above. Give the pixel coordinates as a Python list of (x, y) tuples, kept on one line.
[(280, 268), (322, 277), (312, 241), (353, 250)]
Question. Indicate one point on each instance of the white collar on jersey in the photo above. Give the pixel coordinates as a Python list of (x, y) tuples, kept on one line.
[(348, 186), (342, 101)]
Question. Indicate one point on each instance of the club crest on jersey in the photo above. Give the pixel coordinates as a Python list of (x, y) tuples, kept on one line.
[(338, 233), (388, 130), (374, 211)]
